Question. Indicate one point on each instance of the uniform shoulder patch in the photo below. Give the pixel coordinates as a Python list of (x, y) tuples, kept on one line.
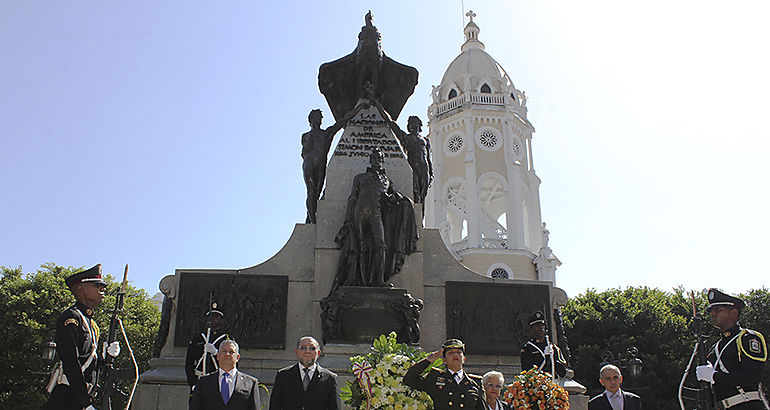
[(752, 344), (71, 321)]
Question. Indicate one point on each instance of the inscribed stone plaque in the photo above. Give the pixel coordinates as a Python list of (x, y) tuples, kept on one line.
[(350, 157), (254, 307), (491, 318)]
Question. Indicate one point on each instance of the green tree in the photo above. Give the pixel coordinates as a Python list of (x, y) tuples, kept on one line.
[(31, 304), (656, 322)]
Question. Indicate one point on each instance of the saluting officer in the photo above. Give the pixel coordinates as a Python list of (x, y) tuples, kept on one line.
[(736, 360), (77, 336), (537, 353), (202, 350), (452, 388)]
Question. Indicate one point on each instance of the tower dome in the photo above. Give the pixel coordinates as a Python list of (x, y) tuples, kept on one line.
[(474, 70), (471, 70)]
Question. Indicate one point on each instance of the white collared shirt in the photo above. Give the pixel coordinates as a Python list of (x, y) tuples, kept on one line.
[(497, 405), (615, 399), (230, 380), (459, 376), (309, 373)]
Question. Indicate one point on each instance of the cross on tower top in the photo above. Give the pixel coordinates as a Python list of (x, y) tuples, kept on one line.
[(470, 15)]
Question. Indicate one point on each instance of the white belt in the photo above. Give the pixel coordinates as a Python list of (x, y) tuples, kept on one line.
[(738, 399)]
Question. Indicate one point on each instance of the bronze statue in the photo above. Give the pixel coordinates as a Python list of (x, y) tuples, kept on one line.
[(342, 81), (379, 230), (315, 150), (417, 152)]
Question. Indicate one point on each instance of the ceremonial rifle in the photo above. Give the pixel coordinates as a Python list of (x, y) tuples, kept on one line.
[(704, 395), (553, 362), (204, 357), (547, 344), (109, 375)]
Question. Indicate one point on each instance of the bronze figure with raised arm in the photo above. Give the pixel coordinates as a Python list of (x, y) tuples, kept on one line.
[(315, 150), (417, 152)]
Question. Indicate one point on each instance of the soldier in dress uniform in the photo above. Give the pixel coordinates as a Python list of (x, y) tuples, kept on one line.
[(735, 362), (77, 336), (202, 350), (452, 388), (537, 353)]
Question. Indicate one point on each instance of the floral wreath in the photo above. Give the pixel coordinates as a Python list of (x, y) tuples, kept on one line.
[(534, 389), (379, 378)]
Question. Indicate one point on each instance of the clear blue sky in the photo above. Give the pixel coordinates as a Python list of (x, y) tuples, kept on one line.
[(165, 134)]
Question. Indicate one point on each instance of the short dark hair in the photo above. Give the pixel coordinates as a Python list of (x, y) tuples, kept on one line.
[(314, 112)]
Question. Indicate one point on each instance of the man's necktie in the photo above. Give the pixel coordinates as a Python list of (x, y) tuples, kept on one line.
[(616, 401), (306, 379), (225, 388)]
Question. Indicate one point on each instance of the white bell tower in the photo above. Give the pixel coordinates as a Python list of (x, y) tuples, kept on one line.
[(485, 196)]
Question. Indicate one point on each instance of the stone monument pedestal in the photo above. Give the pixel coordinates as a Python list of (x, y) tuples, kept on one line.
[(347, 315)]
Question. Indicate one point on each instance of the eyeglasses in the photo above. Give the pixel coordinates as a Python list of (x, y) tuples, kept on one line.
[(497, 386), (306, 348), (229, 352)]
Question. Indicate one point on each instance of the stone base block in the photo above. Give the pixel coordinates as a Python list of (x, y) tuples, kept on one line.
[(356, 315)]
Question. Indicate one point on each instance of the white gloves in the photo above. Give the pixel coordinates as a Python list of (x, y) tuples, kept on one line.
[(210, 348), (113, 349), (705, 373), (89, 408), (548, 350)]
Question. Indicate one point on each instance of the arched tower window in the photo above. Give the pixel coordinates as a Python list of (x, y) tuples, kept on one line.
[(452, 94), (485, 89), (499, 271), (513, 96)]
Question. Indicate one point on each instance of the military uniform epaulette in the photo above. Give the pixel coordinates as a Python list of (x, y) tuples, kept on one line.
[(477, 380), (73, 315), (752, 344)]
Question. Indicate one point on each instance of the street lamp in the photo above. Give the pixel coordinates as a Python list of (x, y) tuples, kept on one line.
[(49, 353), (630, 361)]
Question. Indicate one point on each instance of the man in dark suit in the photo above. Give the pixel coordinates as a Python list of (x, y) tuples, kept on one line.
[(305, 385), (613, 397), (227, 388)]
